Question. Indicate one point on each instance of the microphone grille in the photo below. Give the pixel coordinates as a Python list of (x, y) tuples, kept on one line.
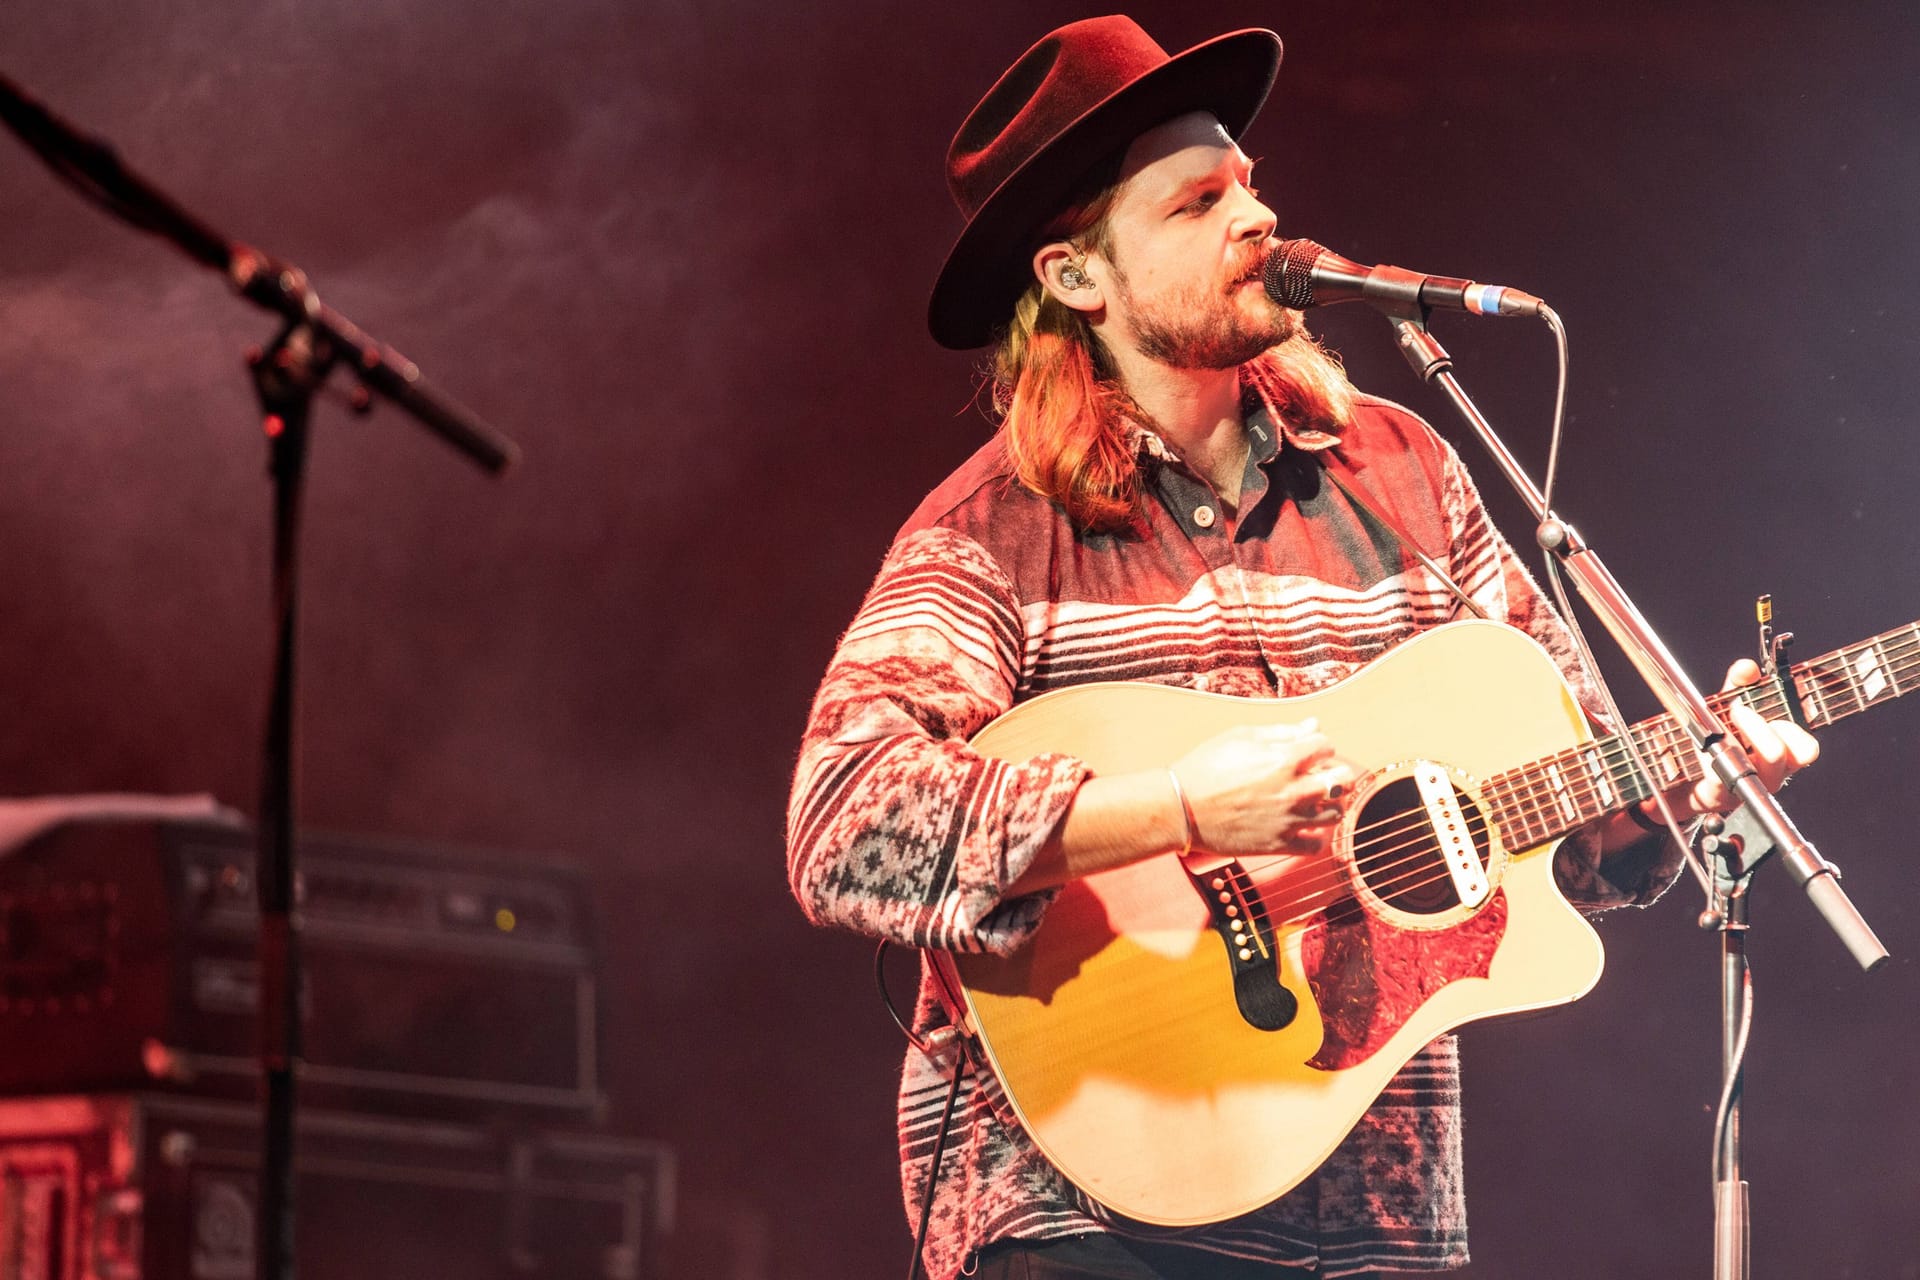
[(1289, 273)]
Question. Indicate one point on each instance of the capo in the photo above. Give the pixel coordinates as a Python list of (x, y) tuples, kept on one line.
[(1773, 652)]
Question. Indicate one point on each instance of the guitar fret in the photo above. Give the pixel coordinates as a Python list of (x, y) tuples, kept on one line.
[(1629, 784), (1679, 764), (1532, 810), (1535, 810), (1511, 814), (1812, 709), (1910, 648), (1634, 785), (1523, 813), (1514, 815), (1541, 805), (1838, 684), (1572, 795), (1595, 793), (1602, 784), (1663, 755), (1908, 651), (1553, 792), (1548, 798), (1853, 682), (1833, 688), (1870, 671), (1568, 810)]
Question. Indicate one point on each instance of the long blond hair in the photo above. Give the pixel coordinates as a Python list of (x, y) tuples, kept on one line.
[(1065, 417)]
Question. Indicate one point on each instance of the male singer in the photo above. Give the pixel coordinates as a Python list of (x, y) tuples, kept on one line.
[(1157, 505)]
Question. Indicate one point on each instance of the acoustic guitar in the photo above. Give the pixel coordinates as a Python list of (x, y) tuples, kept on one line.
[(1188, 1039)]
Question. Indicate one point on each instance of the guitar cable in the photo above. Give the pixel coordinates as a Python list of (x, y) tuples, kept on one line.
[(930, 1046)]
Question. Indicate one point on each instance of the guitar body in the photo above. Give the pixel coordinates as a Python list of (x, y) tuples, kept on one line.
[(1171, 1082)]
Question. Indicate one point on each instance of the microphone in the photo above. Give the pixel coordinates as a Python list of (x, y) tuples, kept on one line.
[(1301, 274)]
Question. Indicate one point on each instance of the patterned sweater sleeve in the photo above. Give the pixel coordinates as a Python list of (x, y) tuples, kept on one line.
[(896, 827), (1490, 572)]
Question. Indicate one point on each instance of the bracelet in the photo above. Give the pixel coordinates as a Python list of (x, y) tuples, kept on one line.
[(1186, 813), (1644, 822)]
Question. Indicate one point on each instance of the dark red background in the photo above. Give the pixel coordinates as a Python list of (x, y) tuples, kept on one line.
[(681, 250)]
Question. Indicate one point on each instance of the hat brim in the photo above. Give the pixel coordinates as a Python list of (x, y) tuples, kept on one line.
[(989, 266)]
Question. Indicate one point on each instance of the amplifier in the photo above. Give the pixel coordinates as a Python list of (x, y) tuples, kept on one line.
[(147, 1187), (430, 980)]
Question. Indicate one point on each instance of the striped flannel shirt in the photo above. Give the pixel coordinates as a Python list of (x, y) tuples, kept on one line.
[(989, 596)]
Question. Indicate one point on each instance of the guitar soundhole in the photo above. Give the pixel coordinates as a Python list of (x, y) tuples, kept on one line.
[(1399, 854)]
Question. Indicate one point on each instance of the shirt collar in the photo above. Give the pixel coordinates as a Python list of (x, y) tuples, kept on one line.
[(1260, 415)]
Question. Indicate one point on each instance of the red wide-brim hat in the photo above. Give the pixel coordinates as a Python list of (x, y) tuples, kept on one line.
[(1083, 92)]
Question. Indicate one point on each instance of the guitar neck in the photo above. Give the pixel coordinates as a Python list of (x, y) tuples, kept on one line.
[(1548, 798)]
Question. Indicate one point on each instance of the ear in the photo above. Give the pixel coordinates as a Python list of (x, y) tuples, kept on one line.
[(1063, 270)]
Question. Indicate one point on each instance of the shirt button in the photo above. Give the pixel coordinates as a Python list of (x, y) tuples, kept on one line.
[(1203, 516)]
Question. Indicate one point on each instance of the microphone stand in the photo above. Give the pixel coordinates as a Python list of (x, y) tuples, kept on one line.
[(313, 338), (1725, 843), (1758, 810)]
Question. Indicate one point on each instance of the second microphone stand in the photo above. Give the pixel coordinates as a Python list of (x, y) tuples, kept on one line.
[(1762, 824)]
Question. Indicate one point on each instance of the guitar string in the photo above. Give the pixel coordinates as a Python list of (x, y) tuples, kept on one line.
[(1336, 886), (1412, 833), (1301, 902), (1769, 700), (1659, 736), (1840, 682), (1331, 887), (1612, 751), (1371, 838), (1839, 674), (1371, 851), (1339, 887), (1838, 667)]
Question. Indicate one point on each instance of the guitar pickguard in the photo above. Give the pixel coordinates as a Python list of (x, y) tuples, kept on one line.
[(1368, 978), (1408, 931)]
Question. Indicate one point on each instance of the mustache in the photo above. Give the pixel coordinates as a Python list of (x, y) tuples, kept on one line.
[(1256, 264)]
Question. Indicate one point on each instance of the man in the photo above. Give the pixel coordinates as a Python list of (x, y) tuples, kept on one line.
[(1156, 506)]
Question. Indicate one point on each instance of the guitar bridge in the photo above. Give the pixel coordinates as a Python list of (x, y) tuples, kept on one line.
[(1236, 914)]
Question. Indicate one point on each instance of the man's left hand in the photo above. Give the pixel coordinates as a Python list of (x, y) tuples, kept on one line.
[(1778, 748)]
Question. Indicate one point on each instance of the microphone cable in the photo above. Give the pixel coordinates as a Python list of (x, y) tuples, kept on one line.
[(1621, 727)]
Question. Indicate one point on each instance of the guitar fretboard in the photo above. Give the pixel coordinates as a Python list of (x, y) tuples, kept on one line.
[(1549, 798)]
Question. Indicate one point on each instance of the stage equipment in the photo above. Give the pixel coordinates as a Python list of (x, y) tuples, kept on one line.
[(313, 340), (139, 1187), (439, 982)]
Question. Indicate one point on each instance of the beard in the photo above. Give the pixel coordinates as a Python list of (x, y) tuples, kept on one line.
[(1206, 327)]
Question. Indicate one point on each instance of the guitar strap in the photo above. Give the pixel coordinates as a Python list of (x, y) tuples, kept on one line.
[(1374, 513)]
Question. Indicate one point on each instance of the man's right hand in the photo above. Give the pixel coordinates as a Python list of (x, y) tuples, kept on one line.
[(1265, 789)]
